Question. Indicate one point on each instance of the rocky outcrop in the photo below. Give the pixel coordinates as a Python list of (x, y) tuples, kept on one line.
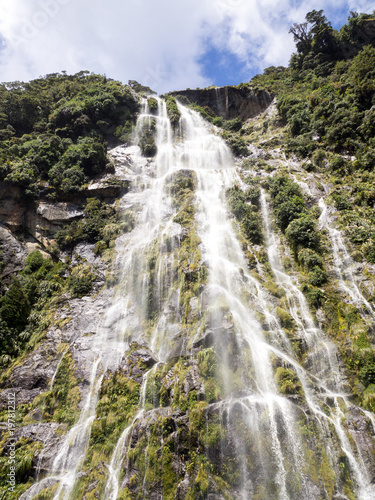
[(13, 252), (12, 206), (42, 219), (229, 102), (58, 212)]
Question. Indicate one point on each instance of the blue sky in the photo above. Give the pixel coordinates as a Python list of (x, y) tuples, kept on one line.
[(167, 45)]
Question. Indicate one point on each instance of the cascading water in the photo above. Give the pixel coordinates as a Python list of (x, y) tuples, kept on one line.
[(281, 412), (342, 262)]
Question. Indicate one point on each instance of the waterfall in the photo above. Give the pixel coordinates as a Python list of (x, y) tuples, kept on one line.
[(186, 290), (342, 262)]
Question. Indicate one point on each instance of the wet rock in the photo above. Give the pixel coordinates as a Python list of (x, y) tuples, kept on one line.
[(92, 486), (207, 340), (107, 188), (47, 433), (321, 317), (143, 356), (35, 372), (12, 207), (36, 415), (192, 380), (299, 345), (178, 349), (361, 429), (137, 363), (182, 489), (22, 396), (45, 483), (194, 309), (177, 438), (128, 163)]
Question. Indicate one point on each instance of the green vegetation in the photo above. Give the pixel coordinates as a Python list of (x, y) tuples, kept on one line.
[(26, 452), (55, 129), (54, 134), (174, 114), (325, 96), (118, 401), (60, 404), (288, 381), (245, 206), (25, 300), (101, 224), (292, 215)]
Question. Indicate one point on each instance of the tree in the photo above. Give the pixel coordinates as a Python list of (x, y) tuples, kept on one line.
[(302, 37), (315, 37), (289, 210), (302, 233), (15, 307), (322, 32)]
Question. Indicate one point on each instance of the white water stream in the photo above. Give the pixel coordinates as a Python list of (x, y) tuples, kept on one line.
[(343, 263), (266, 428)]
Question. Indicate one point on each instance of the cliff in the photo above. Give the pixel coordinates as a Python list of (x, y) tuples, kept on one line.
[(187, 297), (228, 102)]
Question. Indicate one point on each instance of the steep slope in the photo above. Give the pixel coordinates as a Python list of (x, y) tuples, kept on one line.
[(191, 316), (208, 375)]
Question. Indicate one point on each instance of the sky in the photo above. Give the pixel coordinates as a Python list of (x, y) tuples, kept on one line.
[(164, 44)]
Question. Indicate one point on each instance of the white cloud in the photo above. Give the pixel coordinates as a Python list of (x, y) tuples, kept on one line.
[(156, 43)]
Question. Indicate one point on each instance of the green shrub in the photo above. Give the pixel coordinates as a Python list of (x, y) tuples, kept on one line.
[(147, 144), (80, 283), (253, 195), (152, 104), (369, 250), (237, 145), (97, 215), (317, 276), (15, 307), (367, 374), (234, 125), (340, 166), (174, 114), (287, 211), (318, 157), (285, 318), (250, 221), (288, 381), (34, 261), (252, 226), (302, 233), (309, 259)]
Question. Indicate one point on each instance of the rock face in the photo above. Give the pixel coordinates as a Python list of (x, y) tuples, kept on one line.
[(229, 102), (166, 382), (14, 253), (58, 212), (12, 206), (42, 219)]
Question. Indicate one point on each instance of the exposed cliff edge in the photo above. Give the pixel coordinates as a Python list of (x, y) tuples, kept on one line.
[(228, 102)]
